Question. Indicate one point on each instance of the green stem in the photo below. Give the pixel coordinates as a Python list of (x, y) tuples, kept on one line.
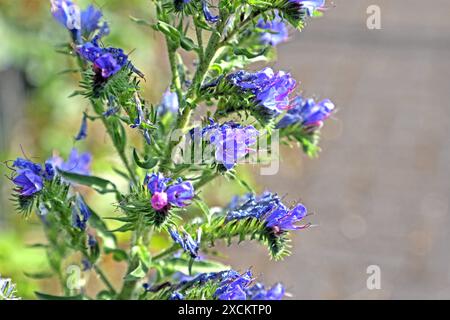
[(176, 82), (121, 153), (166, 253), (129, 286), (202, 69), (204, 180)]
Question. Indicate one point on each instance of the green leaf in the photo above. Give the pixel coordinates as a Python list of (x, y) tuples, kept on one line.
[(144, 164), (119, 255), (171, 32), (44, 296), (100, 185), (203, 207), (137, 273), (39, 275), (142, 253), (109, 239), (170, 266), (140, 21)]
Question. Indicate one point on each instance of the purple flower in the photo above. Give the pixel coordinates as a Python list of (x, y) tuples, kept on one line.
[(76, 163), (271, 90), (156, 182), (169, 103), (231, 141), (181, 193), (177, 194), (269, 209), (107, 65), (176, 296), (80, 213), (233, 287), (68, 14), (82, 133), (250, 206), (283, 219), (186, 241), (259, 292), (106, 61), (28, 182), (277, 32), (307, 113), (207, 13), (78, 22), (22, 164), (90, 19), (159, 200)]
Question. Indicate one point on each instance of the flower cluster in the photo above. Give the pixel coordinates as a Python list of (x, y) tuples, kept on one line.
[(270, 90), (231, 141), (268, 208), (30, 177), (178, 194), (237, 286), (307, 112), (106, 61), (231, 285)]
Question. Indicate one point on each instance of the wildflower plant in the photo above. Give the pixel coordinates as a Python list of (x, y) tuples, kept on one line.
[(226, 36)]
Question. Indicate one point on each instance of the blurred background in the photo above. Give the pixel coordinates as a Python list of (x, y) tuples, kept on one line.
[(379, 189)]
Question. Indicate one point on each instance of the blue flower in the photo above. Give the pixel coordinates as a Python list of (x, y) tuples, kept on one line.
[(22, 164), (90, 19), (68, 14), (80, 213), (233, 286), (49, 171), (282, 219), (156, 182), (79, 23), (82, 133), (207, 13), (186, 241), (231, 141), (169, 103), (307, 112), (269, 209), (181, 193), (177, 194), (106, 61), (277, 31), (251, 206), (76, 163), (271, 90), (259, 292), (176, 296), (28, 182)]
